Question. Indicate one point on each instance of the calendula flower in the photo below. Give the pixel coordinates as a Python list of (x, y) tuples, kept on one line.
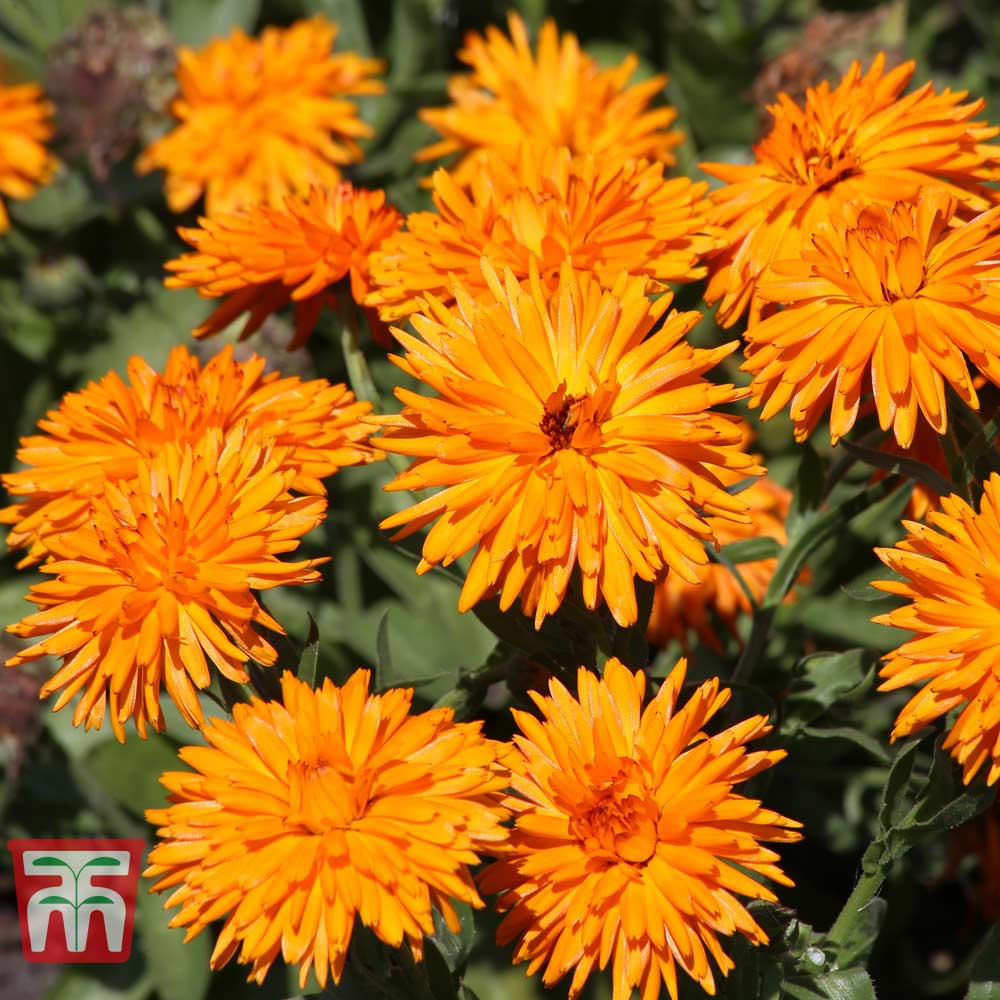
[(25, 127), (860, 142), (566, 433), (300, 816), (558, 95), (102, 433), (158, 584), (629, 843), (262, 118), (602, 215), (262, 259), (892, 298), (680, 607), (951, 581)]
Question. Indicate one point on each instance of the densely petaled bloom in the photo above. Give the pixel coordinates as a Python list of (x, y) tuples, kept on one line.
[(262, 118), (604, 216), (156, 585), (559, 96), (101, 434), (25, 127), (952, 581), (680, 607), (265, 258), (564, 436), (861, 142), (893, 298), (300, 816), (629, 841)]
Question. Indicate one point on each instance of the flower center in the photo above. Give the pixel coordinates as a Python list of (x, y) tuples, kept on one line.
[(325, 797), (623, 817), (560, 418)]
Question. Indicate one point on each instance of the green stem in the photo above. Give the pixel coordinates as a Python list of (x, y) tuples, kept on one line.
[(861, 896)]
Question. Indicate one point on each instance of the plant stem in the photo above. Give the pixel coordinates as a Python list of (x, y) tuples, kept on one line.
[(861, 896)]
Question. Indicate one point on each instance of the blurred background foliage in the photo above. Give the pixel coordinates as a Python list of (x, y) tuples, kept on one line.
[(81, 290)]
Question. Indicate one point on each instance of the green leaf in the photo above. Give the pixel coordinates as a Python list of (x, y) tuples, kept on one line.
[(129, 980), (383, 655), (844, 984), (893, 798), (984, 979), (96, 901), (455, 948), (751, 550), (48, 862), (862, 934), (195, 22), (850, 734), (350, 16), (103, 862), (810, 484), (57, 899), (180, 971), (132, 775), (310, 655), (823, 679), (908, 467)]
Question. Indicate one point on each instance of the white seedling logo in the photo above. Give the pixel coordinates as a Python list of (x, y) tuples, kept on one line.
[(76, 899)]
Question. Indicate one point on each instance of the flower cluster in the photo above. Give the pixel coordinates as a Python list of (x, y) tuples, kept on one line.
[(159, 505), (584, 451)]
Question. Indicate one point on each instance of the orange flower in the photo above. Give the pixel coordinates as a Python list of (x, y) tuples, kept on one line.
[(680, 607), (602, 215), (560, 97), (25, 127), (102, 433), (156, 585), (952, 581), (860, 142), (300, 816), (262, 118), (894, 297), (629, 842), (267, 257), (565, 433)]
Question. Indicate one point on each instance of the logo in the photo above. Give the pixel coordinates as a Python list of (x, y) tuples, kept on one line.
[(76, 898)]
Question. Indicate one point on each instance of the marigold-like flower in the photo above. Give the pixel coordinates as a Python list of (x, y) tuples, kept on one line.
[(952, 581), (101, 434), (894, 298), (559, 96), (262, 118), (860, 142), (680, 607), (602, 215), (156, 585), (265, 258), (335, 804), (25, 127), (629, 841), (563, 436)]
